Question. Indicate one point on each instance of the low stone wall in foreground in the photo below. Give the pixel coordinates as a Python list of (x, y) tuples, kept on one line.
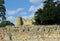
[(30, 33)]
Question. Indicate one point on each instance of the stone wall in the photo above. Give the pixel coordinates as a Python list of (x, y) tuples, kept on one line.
[(30, 33), (18, 21), (23, 21), (27, 22)]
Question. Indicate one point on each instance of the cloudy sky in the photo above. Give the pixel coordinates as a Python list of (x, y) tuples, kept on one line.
[(22, 8)]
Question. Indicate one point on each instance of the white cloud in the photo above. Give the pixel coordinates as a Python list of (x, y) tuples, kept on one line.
[(12, 12), (35, 8), (25, 17), (11, 19), (32, 8), (29, 17), (36, 1), (23, 13)]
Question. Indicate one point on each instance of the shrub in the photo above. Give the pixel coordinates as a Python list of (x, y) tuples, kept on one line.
[(5, 23)]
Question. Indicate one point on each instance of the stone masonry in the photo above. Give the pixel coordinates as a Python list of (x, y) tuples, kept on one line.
[(18, 21), (24, 30), (30, 33), (23, 21)]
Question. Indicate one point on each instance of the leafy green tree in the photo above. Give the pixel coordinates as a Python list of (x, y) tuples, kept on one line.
[(1, 1), (49, 11), (48, 14), (2, 10), (5, 23), (58, 12), (39, 16)]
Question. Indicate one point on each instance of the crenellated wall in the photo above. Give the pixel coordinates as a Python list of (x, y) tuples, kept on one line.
[(22, 21)]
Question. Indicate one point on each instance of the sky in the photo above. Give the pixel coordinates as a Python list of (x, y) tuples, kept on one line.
[(21, 8)]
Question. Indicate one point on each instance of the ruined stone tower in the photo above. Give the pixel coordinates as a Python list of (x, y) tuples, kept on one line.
[(19, 21)]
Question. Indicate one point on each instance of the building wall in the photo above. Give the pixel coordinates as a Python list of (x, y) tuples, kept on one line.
[(26, 22)]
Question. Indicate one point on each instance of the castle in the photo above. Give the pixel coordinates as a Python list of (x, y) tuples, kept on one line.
[(25, 22), (24, 30)]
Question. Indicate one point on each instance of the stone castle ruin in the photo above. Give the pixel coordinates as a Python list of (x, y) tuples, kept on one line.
[(21, 21), (29, 32), (18, 21)]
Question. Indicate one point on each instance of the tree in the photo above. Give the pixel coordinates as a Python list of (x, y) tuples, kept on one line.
[(2, 10), (39, 16), (49, 11), (1, 1), (48, 14), (5, 23), (58, 11), (2, 15)]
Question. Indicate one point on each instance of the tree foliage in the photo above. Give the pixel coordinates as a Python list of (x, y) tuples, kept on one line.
[(2, 10), (2, 15), (50, 14), (5, 23)]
